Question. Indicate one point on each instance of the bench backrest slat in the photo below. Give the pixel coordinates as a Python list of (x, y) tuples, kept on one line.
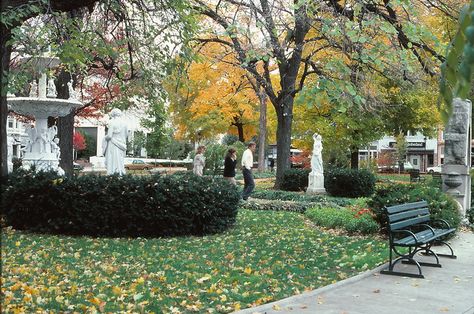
[(404, 207), (406, 215), (412, 213), (409, 222)]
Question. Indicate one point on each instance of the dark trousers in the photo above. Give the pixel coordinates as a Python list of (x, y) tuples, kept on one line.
[(249, 183)]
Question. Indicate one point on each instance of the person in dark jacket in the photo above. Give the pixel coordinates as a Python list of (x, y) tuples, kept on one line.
[(229, 165)]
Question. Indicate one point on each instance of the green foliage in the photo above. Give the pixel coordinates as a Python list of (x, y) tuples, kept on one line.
[(229, 139), (441, 205), (352, 219), (456, 71), (369, 164), (119, 206), (91, 147), (349, 182), (299, 197), (278, 205), (295, 180)]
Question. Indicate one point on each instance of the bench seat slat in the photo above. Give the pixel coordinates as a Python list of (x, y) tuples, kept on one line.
[(409, 222), (421, 236), (404, 207), (408, 214)]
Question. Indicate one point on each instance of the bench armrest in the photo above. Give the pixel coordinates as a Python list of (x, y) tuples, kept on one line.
[(427, 227), (407, 232), (440, 222)]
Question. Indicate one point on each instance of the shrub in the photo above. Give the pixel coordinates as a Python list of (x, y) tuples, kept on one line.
[(353, 219), (295, 180), (299, 197), (119, 206), (278, 205), (349, 182), (441, 205)]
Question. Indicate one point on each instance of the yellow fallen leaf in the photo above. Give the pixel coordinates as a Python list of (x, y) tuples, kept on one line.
[(248, 270), (116, 290), (203, 279), (276, 307)]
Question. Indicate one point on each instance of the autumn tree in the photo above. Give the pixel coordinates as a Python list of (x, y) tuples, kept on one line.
[(213, 97), (293, 37)]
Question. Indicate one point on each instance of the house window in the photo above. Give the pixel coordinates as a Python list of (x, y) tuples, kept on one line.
[(415, 161), (10, 124)]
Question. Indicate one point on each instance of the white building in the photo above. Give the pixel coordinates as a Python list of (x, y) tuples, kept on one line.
[(422, 152), (16, 129)]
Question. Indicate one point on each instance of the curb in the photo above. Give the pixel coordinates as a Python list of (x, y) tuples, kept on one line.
[(294, 299)]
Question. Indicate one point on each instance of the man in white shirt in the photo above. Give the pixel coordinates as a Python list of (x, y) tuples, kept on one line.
[(247, 163)]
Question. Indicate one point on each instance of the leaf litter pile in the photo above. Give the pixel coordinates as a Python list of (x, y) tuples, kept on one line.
[(267, 256)]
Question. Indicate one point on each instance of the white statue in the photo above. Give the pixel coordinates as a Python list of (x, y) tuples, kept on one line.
[(72, 93), (116, 147), (317, 158), (33, 90), (51, 89), (55, 148), (316, 176)]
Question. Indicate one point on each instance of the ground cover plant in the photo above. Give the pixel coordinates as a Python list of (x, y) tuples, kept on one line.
[(247, 265), (352, 219)]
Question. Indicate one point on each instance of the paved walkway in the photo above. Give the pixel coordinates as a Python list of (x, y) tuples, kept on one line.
[(449, 289)]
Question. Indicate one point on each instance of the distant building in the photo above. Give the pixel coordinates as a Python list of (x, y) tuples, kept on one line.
[(422, 152)]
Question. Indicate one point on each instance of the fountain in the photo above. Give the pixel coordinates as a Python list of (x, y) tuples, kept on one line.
[(42, 149)]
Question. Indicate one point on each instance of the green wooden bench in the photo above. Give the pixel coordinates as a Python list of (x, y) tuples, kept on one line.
[(411, 228)]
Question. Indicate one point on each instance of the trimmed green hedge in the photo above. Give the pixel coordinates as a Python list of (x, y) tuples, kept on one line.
[(441, 205), (349, 182), (295, 180), (149, 206)]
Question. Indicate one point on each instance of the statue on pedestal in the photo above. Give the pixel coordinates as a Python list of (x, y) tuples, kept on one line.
[(116, 143), (316, 176)]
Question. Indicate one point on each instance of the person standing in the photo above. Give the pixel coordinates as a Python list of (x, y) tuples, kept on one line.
[(247, 163), (229, 165), (199, 161)]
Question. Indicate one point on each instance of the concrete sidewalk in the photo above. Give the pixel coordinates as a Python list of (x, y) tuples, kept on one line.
[(449, 289)]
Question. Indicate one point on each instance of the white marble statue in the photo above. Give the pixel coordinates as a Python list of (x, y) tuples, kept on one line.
[(33, 90), (317, 158), (116, 146), (51, 89), (72, 93), (316, 176)]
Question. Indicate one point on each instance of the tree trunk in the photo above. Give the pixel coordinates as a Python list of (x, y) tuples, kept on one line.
[(65, 126), (5, 35), (283, 135), (240, 131), (354, 158), (262, 129)]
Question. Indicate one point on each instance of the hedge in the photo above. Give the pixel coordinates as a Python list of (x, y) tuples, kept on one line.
[(148, 206), (349, 182)]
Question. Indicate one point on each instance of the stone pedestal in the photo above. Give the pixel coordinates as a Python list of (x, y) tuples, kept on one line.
[(457, 154), (316, 184), (457, 183)]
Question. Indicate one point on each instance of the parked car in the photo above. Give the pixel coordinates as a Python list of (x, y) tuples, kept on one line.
[(435, 169), (407, 166), (77, 166), (138, 164)]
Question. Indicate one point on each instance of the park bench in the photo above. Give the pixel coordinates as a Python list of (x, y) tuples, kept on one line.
[(411, 230), (415, 176)]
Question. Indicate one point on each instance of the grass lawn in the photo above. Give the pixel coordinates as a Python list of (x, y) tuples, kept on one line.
[(267, 256)]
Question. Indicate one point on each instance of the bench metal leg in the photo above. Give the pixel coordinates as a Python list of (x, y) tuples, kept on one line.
[(403, 258), (430, 252)]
